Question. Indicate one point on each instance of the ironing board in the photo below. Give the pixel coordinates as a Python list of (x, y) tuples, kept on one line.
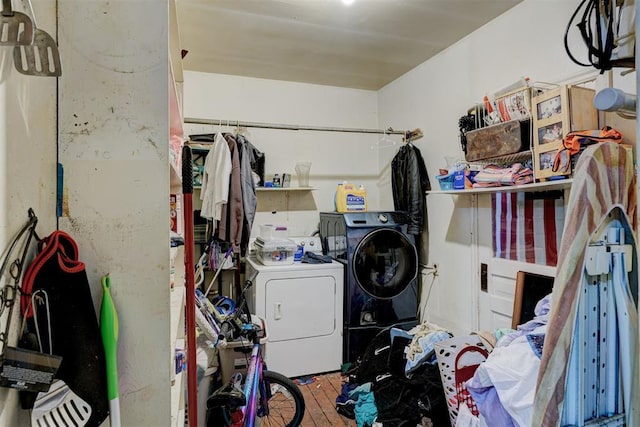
[(604, 181)]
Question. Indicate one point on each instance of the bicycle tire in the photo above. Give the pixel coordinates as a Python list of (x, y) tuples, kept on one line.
[(286, 404)]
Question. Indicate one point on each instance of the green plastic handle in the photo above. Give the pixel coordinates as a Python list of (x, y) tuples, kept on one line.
[(109, 332)]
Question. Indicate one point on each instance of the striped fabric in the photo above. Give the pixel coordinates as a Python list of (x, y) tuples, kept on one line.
[(528, 226), (604, 179)]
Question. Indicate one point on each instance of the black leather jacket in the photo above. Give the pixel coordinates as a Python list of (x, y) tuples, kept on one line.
[(409, 181)]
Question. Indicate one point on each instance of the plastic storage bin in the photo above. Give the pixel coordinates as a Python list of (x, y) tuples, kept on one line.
[(275, 251), (446, 181), (235, 357)]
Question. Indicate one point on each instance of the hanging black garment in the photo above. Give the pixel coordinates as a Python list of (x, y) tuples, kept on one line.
[(249, 198), (409, 181), (75, 334), (256, 158)]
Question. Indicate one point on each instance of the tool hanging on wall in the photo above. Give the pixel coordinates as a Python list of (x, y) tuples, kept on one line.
[(59, 405), (8, 292), (187, 193), (607, 30), (109, 332), (58, 270), (15, 28), (41, 57)]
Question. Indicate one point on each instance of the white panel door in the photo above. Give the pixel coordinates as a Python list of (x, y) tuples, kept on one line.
[(496, 304), (300, 307)]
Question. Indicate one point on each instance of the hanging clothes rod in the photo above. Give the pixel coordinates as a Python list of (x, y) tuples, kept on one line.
[(216, 122)]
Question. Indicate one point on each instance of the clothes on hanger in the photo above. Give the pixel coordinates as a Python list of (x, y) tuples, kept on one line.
[(232, 169), (409, 181), (215, 180), (249, 198), (232, 216), (248, 160)]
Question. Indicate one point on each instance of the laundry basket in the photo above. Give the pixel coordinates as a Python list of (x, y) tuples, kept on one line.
[(458, 359), (235, 357)]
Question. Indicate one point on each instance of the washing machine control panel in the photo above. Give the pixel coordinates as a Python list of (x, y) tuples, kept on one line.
[(310, 243)]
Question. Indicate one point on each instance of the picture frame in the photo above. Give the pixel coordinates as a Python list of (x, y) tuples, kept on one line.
[(546, 160), (549, 107), (530, 288)]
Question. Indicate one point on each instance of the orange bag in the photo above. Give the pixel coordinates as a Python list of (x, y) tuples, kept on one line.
[(575, 141)]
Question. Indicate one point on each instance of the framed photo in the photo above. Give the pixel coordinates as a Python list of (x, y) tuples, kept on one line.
[(546, 160), (548, 108), (550, 133)]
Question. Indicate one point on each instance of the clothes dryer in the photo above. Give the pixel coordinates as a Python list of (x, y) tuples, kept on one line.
[(381, 273), (302, 305)]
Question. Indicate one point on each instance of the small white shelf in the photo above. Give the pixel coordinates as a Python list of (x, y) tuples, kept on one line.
[(177, 313), (538, 186), (177, 408), (276, 189), (175, 178)]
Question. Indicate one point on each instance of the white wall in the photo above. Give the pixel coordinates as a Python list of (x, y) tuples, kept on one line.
[(114, 135), (525, 41), (335, 156), (27, 171)]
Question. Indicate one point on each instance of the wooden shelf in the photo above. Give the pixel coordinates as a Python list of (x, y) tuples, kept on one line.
[(538, 186), (285, 189)]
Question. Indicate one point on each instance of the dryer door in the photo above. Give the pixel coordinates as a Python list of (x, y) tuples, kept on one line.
[(384, 263)]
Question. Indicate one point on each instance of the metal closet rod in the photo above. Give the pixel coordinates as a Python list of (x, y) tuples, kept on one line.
[(216, 122)]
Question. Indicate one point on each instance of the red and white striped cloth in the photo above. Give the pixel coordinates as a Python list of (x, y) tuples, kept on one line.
[(527, 227), (604, 179)]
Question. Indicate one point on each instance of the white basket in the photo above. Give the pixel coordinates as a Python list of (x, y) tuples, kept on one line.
[(455, 371)]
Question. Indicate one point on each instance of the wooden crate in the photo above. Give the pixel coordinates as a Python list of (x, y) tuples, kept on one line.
[(498, 140), (556, 113)]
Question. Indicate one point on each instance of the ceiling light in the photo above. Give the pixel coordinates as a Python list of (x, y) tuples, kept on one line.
[(347, 2)]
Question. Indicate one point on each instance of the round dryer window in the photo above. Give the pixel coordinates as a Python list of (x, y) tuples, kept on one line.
[(385, 262)]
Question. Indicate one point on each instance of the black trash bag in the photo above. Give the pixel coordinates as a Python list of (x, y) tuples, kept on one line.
[(75, 333)]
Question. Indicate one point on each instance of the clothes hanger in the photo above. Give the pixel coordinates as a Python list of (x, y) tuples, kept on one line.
[(407, 139), (384, 141)]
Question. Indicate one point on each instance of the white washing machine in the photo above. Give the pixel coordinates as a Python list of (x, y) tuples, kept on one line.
[(302, 305)]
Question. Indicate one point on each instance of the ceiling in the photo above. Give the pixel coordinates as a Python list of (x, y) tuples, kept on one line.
[(364, 45)]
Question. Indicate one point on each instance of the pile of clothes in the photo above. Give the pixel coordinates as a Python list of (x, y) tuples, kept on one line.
[(496, 176), (396, 382), (503, 387)]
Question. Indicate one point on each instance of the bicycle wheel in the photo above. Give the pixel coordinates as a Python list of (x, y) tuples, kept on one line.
[(284, 401)]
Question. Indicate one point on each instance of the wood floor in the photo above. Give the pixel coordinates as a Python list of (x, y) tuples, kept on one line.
[(320, 399)]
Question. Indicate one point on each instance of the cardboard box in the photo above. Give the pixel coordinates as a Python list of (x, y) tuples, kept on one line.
[(175, 213)]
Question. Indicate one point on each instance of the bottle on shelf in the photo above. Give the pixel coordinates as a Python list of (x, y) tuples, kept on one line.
[(276, 181)]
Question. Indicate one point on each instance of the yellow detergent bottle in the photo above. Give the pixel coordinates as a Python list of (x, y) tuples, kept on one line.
[(350, 199)]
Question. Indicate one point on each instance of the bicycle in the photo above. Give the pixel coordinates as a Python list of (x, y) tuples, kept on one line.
[(262, 396)]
